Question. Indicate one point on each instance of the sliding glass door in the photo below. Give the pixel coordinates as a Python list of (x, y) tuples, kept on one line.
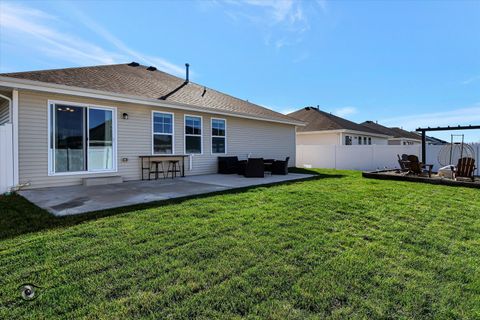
[(100, 139), (81, 139), (69, 138)]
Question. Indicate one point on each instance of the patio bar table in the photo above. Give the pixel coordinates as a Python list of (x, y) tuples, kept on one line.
[(148, 159)]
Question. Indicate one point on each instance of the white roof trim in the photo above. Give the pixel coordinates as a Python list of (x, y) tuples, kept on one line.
[(365, 133), (16, 83), (409, 139)]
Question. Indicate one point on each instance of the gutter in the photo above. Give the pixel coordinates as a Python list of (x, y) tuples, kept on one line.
[(16, 83)]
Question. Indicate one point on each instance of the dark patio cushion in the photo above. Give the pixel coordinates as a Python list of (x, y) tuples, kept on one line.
[(242, 165), (255, 168), (227, 165)]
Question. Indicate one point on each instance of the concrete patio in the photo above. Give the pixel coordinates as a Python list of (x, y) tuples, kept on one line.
[(62, 201)]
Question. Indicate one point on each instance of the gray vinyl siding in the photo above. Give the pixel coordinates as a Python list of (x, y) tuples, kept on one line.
[(134, 137), (4, 112)]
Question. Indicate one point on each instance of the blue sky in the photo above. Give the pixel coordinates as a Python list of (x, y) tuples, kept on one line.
[(403, 63)]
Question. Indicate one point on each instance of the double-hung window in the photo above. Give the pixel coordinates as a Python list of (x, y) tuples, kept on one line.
[(193, 134), (162, 132), (81, 138), (219, 136)]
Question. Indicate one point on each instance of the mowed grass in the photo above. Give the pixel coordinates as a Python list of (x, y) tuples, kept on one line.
[(339, 247)]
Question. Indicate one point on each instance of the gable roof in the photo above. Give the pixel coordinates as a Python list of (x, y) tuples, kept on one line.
[(394, 132), (318, 120), (138, 81), (431, 140)]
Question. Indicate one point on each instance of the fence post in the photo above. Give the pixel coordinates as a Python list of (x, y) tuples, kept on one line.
[(3, 159), (335, 157), (477, 156), (6, 158)]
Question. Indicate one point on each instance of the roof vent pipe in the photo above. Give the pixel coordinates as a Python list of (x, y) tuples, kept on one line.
[(187, 72)]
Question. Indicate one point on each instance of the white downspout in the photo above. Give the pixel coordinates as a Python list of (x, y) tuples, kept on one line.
[(15, 136)]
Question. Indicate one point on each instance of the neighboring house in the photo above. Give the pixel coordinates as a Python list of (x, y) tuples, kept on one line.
[(398, 135), (70, 124), (322, 128), (432, 140)]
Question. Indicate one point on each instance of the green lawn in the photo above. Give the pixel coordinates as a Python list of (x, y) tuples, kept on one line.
[(337, 247)]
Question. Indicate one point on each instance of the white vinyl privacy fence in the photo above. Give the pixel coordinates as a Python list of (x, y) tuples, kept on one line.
[(6, 158), (370, 157)]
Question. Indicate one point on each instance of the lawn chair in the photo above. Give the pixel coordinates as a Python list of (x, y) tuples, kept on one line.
[(465, 168), (418, 168), (280, 166), (403, 162)]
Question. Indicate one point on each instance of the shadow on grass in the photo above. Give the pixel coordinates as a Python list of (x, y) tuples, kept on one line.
[(19, 216)]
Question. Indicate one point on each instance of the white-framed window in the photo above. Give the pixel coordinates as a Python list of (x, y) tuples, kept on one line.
[(365, 140), (369, 140), (219, 136), (193, 135), (82, 138), (162, 132), (359, 140)]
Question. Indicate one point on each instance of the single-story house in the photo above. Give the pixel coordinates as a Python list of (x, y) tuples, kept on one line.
[(75, 123), (432, 140), (322, 128), (398, 135)]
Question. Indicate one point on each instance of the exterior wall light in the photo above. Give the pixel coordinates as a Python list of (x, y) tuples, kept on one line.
[(125, 116)]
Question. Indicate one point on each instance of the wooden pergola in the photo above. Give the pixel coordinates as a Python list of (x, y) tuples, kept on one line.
[(448, 128)]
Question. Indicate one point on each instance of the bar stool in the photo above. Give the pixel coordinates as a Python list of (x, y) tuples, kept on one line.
[(156, 164), (173, 168)]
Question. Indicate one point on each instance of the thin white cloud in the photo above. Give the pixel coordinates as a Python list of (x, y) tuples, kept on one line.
[(471, 80), (38, 32), (285, 11), (158, 62), (282, 22), (323, 5), (29, 27), (461, 116), (280, 10), (345, 111)]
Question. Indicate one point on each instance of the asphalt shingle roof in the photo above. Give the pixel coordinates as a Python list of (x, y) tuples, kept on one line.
[(318, 120), (395, 132), (138, 81)]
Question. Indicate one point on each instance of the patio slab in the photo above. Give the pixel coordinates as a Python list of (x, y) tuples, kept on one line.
[(62, 201)]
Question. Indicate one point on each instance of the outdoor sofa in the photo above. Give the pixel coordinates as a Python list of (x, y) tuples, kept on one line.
[(253, 167)]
